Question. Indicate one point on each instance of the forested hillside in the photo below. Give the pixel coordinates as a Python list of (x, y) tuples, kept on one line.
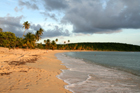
[(100, 46)]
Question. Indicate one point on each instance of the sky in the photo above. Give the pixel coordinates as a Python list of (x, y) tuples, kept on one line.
[(75, 20)]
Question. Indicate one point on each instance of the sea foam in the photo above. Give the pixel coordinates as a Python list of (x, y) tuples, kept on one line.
[(83, 77)]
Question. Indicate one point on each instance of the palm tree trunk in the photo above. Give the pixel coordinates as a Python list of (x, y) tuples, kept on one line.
[(23, 33)]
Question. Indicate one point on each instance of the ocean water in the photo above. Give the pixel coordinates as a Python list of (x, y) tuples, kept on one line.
[(101, 72)]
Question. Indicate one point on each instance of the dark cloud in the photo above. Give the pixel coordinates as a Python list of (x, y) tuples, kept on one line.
[(92, 16), (55, 4), (28, 4), (53, 16), (56, 32), (12, 24), (35, 27), (87, 16)]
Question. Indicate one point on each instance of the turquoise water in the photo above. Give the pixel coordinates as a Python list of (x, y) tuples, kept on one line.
[(126, 61), (101, 72)]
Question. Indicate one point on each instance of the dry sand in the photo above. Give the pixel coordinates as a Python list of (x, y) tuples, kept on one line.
[(30, 71)]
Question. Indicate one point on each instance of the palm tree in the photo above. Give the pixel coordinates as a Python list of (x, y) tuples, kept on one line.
[(40, 46), (56, 40), (53, 42), (1, 30), (68, 41), (30, 37), (48, 41), (53, 45), (64, 42), (19, 42), (30, 40), (45, 41), (40, 31), (39, 34), (26, 25)]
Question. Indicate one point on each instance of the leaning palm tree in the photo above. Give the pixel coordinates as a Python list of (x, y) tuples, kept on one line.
[(39, 34), (26, 25), (40, 31)]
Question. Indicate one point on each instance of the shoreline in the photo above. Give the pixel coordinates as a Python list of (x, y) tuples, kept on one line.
[(133, 72), (33, 71), (92, 77), (18, 74)]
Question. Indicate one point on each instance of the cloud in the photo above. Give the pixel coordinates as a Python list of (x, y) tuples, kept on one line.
[(55, 4), (94, 16), (81, 34), (56, 31), (12, 24), (90, 16), (28, 4), (86, 16), (17, 9), (49, 25), (35, 27), (52, 16)]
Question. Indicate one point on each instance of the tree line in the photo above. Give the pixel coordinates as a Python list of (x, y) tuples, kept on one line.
[(8, 39), (99, 46), (91, 46)]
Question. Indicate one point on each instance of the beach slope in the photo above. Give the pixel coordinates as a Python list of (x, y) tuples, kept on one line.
[(30, 71)]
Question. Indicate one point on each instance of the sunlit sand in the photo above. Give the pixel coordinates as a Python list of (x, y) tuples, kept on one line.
[(30, 71)]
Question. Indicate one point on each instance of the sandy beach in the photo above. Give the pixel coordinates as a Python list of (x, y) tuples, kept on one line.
[(30, 71)]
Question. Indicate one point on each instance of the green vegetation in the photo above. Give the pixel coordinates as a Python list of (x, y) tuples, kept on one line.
[(8, 39), (0, 29), (100, 46), (39, 34)]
